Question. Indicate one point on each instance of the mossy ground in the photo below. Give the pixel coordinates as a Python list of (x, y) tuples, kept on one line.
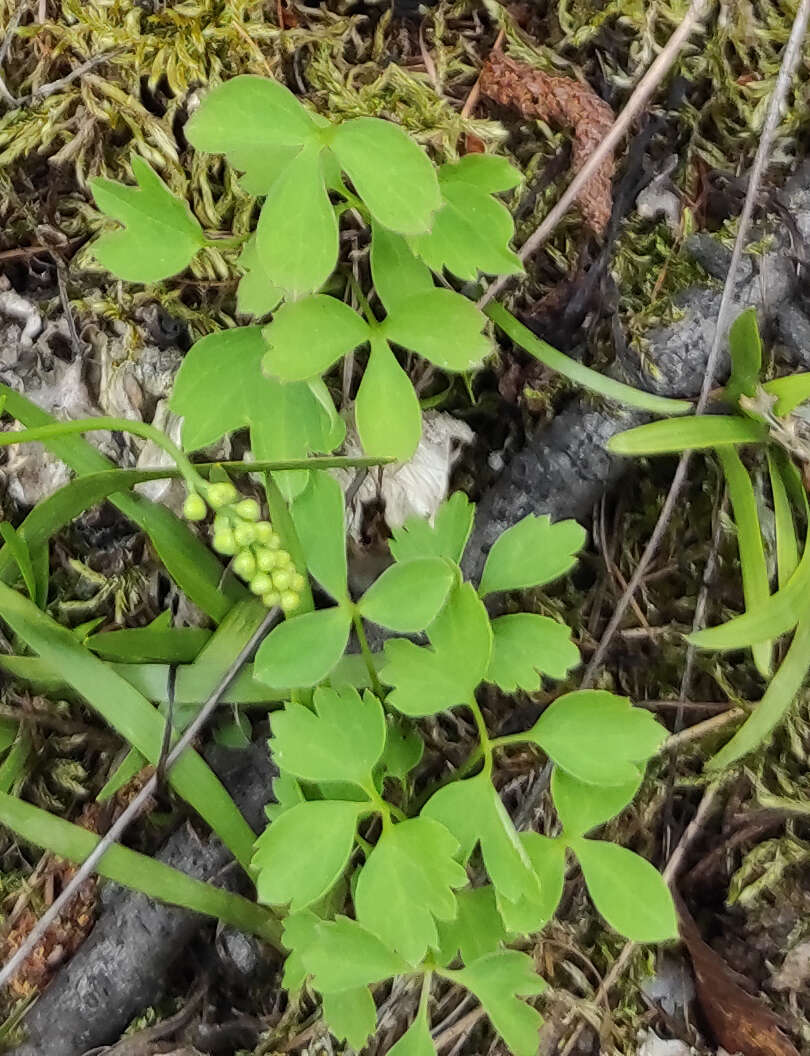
[(348, 59)]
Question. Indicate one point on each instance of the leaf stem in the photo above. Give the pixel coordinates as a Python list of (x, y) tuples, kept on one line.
[(365, 649), (483, 735)]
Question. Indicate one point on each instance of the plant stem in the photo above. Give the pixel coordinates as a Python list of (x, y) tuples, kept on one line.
[(365, 649), (483, 735)]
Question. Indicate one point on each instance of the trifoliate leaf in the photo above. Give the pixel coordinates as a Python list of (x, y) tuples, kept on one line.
[(598, 737), (351, 1015), (531, 553), (220, 388), (442, 326), (416, 1041), (499, 980), (472, 810), (340, 741), (446, 537), (471, 232), (255, 295), (262, 166), (407, 884), (386, 409), (397, 274), (429, 680), (286, 793), (306, 337), (486, 172), (345, 956), (297, 232), (476, 930), (408, 596), (319, 515), (525, 647), (160, 235), (582, 807), (302, 853), (303, 650), (531, 913), (390, 172), (630, 894), (403, 749)]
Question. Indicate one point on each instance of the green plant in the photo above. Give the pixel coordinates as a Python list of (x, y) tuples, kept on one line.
[(764, 417)]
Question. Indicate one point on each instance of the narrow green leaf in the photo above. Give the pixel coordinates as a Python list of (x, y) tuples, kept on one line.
[(342, 740), (582, 807), (578, 372), (753, 567), (319, 515), (390, 172), (408, 595), (787, 544), (351, 1015), (416, 1041), (629, 893), (532, 911), (19, 551), (160, 235), (302, 651), (429, 680), (745, 348), (789, 392), (446, 537), (301, 854), (130, 714), (386, 410), (179, 645), (525, 647), (780, 694), (598, 737), (531, 553), (137, 871), (297, 232), (407, 885), (476, 930), (306, 337), (343, 955), (442, 326), (8, 734), (397, 274), (694, 433), (256, 295), (499, 980)]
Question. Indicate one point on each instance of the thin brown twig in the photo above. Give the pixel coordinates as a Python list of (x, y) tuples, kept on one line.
[(54, 86)]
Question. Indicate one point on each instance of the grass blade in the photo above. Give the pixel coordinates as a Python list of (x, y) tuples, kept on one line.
[(753, 567), (787, 545), (137, 871), (13, 766), (696, 433), (578, 372), (778, 697), (130, 714), (179, 645), (20, 554)]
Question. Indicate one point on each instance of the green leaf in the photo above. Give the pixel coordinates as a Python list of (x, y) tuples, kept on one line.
[(299, 933), (178, 645), (249, 116), (351, 1015), (129, 713), (344, 956), (693, 433), (753, 567), (408, 595), (18, 548), (262, 167), (297, 232), (531, 912), (781, 693), (301, 854), (429, 680), (472, 230), (386, 410), (407, 884), (629, 893), (286, 793), (397, 274), (341, 741), (525, 647), (8, 733), (485, 172), (256, 295), (442, 326), (789, 392), (499, 980), (416, 1041), (598, 737), (390, 172), (446, 537), (582, 807), (319, 515), (306, 337), (745, 348), (160, 235), (403, 749), (472, 810), (787, 544), (531, 553), (302, 651), (476, 930)]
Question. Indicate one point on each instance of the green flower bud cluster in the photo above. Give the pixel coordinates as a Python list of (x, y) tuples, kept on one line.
[(240, 533)]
